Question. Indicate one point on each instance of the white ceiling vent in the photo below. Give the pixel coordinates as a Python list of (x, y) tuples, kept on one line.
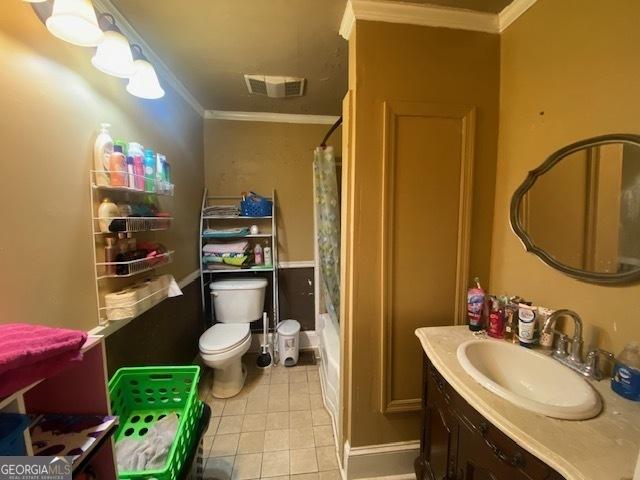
[(275, 87)]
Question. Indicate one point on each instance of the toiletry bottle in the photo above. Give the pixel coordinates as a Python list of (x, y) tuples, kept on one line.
[(149, 171), (135, 150), (511, 322), (102, 150), (122, 248), (527, 325), (110, 254), (257, 255), (475, 306), (268, 259), (118, 166), (546, 339), (495, 322), (106, 211), (161, 179), (131, 173), (626, 373)]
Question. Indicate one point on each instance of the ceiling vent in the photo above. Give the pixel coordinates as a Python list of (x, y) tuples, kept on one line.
[(275, 87)]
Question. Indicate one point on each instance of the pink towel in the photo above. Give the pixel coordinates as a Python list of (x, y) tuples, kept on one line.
[(235, 247), (23, 345)]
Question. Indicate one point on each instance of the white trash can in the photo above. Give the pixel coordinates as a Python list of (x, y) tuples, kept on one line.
[(288, 342)]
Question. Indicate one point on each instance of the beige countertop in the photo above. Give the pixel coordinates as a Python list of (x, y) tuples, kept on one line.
[(602, 448)]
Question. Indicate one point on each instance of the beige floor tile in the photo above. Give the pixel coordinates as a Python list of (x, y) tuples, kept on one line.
[(277, 420), (258, 391), (299, 388), (330, 475), (275, 440), (279, 377), (279, 389), (278, 403), (326, 458), (254, 422), (320, 417), (305, 476), (300, 419), (282, 477), (257, 405), (234, 407), (314, 387), (301, 438), (224, 445), (207, 443), (316, 401), (299, 376), (217, 406), (299, 401), (230, 425), (251, 442), (313, 375), (323, 435), (213, 426), (275, 464), (303, 461), (218, 468), (246, 467)]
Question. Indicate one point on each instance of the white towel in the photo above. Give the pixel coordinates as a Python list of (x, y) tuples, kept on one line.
[(151, 452)]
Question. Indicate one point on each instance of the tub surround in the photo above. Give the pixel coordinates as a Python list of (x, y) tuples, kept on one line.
[(605, 447)]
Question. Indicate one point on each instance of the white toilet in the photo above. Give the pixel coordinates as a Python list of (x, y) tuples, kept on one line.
[(236, 303)]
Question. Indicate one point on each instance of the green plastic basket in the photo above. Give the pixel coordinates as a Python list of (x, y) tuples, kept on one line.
[(140, 396)]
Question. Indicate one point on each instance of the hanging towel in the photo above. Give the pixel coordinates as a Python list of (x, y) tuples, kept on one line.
[(31, 352)]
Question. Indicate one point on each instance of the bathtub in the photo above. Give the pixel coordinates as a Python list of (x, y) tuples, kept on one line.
[(329, 343)]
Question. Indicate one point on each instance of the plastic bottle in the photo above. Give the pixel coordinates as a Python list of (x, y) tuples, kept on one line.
[(106, 211), (268, 260), (110, 255), (495, 322), (135, 151), (527, 325), (475, 306), (102, 150), (257, 255), (161, 179), (118, 166), (626, 373), (149, 170)]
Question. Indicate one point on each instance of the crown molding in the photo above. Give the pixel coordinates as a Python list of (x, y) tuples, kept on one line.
[(512, 12), (105, 6), (430, 15), (270, 117), (416, 14)]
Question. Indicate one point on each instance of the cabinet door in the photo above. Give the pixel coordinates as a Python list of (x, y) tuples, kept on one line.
[(479, 460)]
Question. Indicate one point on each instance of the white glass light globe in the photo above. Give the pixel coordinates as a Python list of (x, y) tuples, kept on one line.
[(144, 82), (75, 21), (113, 55)]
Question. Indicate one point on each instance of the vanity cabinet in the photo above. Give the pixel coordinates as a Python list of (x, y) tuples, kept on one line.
[(457, 443)]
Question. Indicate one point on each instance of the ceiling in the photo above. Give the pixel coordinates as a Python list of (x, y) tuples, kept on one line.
[(491, 6), (210, 44)]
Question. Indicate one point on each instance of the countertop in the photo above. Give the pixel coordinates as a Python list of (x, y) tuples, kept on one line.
[(601, 448)]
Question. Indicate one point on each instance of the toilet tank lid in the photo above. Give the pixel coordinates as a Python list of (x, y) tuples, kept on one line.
[(288, 327), (239, 284)]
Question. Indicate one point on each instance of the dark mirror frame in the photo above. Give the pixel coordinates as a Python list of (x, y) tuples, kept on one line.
[(530, 246)]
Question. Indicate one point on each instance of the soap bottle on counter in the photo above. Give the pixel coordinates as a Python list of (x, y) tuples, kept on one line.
[(511, 323), (527, 325), (626, 373), (476, 306)]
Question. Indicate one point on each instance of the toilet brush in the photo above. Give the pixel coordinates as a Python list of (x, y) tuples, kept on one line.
[(264, 359)]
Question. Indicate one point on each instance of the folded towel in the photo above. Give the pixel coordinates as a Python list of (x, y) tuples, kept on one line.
[(225, 232), (23, 345), (234, 247)]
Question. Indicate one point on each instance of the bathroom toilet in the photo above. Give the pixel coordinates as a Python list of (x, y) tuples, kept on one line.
[(236, 303)]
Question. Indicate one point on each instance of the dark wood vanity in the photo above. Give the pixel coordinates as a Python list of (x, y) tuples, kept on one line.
[(457, 443)]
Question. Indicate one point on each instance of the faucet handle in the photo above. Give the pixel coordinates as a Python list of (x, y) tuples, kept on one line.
[(593, 366)]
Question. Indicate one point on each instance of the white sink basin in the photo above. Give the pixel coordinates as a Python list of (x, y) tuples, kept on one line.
[(529, 379)]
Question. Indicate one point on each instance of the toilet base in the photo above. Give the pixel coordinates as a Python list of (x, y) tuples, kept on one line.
[(228, 381)]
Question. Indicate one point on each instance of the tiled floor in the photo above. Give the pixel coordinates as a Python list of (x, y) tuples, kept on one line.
[(276, 428)]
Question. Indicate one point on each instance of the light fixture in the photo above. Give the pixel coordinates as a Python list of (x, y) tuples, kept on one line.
[(75, 21), (34, 1), (113, 55), (144, 82)]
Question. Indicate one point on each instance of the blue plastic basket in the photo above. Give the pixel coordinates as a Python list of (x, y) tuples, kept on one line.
[(12, 426), (256, 206)]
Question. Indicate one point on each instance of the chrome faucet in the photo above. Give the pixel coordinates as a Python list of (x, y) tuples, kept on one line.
[(573, 359)]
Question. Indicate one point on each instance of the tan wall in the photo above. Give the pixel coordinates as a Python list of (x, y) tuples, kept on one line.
[(410, 64), (259, 156), (52, 101), (575, 61)]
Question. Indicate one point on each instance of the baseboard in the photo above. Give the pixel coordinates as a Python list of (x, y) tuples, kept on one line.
[(390, 460)]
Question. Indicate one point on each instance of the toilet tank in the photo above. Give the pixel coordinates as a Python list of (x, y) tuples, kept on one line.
[(240, 300)]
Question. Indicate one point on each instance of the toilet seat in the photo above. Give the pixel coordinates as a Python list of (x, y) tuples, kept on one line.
[(223, 337)]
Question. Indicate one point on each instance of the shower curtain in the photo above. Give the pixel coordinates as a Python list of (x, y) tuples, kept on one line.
[(327, 205)]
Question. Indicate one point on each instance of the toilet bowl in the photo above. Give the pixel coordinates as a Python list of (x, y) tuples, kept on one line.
[(236, 304)]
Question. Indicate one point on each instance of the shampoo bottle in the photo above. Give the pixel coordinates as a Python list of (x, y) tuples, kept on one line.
[(135, 151), (257, 255), (118, 166), (626, 373), (102, 150), (475, 306), (149, 171), (268, 259)]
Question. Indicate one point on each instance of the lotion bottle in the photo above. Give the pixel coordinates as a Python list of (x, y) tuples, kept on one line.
[(102, 150), (257, 255), (475, 306)]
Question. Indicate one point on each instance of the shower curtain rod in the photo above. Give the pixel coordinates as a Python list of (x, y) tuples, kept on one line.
[(331, 130)]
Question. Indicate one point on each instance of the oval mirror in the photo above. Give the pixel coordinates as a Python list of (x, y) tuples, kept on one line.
[(580, 210)]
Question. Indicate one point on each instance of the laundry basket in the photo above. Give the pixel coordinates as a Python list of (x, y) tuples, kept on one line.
[(141, 396), (288, 342)]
